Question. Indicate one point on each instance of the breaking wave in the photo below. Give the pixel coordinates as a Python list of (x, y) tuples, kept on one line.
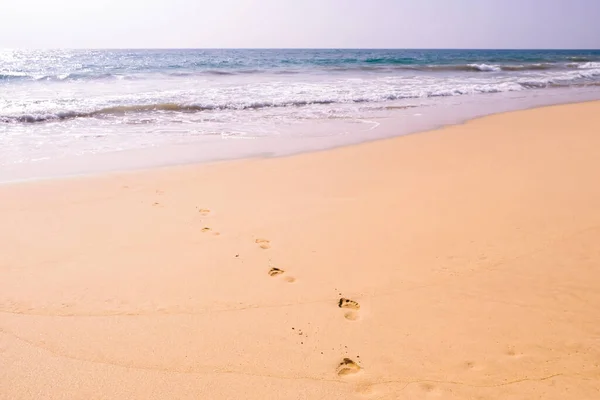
[(574, 78)]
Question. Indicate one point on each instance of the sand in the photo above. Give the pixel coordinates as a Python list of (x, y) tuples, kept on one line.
[(462, 263)]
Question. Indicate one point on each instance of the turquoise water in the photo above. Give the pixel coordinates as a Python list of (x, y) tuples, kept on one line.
[(62, 65), (174, 81), (61, 103)]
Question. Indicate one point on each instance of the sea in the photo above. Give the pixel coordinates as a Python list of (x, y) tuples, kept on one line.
[(70, 112)]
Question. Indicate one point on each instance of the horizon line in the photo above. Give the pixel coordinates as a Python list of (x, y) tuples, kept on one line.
[(304, 48)]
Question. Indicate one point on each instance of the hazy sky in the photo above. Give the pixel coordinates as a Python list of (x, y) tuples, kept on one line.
[(300, 23)]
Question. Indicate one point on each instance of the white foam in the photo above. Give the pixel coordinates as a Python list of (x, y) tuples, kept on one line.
[(231, 104), (486, 67), (589, 65)]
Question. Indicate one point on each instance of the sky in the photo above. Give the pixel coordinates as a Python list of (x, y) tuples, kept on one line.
[(300, 23)]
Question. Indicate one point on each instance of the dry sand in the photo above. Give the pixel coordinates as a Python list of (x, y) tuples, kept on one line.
[(469, 256)]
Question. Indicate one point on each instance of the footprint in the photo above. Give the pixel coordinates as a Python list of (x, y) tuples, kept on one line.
[(347, 367), (347, 303), (207, 229), (352, 306), (263, 243), (471, 365), (277, 271), (511, 352), (427, 387), (430, 389)]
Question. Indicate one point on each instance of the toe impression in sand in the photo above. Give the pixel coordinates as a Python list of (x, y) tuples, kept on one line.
[(278, 271), (347, 367), (347, 303), (275, 271)]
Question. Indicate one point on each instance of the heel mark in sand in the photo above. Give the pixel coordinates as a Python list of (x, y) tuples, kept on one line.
[(351, 316), (347, 367), (263, 243)]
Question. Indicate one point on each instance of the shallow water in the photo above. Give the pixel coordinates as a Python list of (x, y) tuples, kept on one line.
[(67, 112)]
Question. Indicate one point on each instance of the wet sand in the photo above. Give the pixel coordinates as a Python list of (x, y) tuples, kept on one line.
[(462, 263)]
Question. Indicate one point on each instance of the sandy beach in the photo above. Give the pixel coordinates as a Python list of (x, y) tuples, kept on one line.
[(461, 263)]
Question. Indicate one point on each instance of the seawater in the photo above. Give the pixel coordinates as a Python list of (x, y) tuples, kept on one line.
[(151, 107)]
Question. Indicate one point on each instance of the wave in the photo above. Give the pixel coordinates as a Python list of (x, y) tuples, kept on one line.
[(65, 77), (219, 73), (377, 65), (506, 67), (589, 65), (530, 67), (159, 107), (580, 59), (387, 60), (32, 119), (80, 77), (394, 89), (558, 85), (7, 75), (287, 72), (454, 68), (120, 111), (61, 77), (172, 107), (485, 67)]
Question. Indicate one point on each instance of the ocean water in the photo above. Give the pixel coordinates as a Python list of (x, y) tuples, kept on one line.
[(65, 105)]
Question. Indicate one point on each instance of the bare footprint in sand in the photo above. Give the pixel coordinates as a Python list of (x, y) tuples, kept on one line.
[(263, 243), (347, 367), (207, 229), (352, 307), (277, 271), (347, 303), (471, 365), (511, 352)]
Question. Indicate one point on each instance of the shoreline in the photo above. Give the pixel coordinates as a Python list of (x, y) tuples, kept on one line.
[(364, 140), (457, 263)]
